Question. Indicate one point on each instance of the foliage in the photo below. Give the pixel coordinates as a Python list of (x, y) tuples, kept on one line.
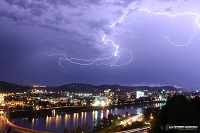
[(178, 111), (147, 112), (73, 131), (79, 129), (66, 130)]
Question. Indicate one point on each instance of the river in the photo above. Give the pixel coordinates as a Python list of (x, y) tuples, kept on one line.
[(58, 122)]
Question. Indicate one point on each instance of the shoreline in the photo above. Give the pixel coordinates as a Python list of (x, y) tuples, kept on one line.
[(72, 109)]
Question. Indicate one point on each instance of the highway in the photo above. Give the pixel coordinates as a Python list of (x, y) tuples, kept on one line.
[(133, 119), (136, 130)]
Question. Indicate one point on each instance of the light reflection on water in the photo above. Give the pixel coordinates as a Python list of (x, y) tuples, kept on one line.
[(70, 121)]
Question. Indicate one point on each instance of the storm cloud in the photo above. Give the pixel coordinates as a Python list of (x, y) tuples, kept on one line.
[(35, 34)]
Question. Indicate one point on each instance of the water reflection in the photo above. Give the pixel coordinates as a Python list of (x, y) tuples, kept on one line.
[(48, 121), (32, 125), (60, 121), (75, 119), (102, 113), (67, 120), (96, 115), (107, 113), (83, 117)]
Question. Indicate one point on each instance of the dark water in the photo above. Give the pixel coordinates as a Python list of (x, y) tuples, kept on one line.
[(58, 122)]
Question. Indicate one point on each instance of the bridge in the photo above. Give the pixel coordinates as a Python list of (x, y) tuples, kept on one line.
[(7, 127)]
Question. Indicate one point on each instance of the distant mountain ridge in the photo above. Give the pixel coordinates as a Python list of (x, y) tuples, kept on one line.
[(6, 87)]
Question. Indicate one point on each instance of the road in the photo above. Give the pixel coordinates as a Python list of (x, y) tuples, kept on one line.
[(137, 130), (133, 119), (3, 124), (129, 120)]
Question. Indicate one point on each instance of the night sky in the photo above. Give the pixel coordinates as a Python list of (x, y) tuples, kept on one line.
[(127, 42)]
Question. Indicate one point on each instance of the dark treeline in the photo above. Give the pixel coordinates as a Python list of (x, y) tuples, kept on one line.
[(178, 111)]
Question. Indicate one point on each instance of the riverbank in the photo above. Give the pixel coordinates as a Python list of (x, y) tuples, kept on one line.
[(58, 122), (71, 109)]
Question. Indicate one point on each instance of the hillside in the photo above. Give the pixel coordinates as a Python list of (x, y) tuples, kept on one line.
[(6, 87)]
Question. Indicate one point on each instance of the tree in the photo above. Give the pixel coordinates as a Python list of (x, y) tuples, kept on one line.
[(66, 130), (147, 112), (73, 131), (177, 111), (79, 129), (110, 119)]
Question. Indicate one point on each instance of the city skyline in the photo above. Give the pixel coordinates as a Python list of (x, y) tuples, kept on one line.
[(100, 42)]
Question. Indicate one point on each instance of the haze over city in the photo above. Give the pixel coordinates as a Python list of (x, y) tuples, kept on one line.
[(44, 42)]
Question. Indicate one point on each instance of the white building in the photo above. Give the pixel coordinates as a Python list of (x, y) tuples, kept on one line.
[(139, 94)]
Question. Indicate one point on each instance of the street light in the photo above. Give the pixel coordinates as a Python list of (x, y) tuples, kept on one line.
[(151, 117)]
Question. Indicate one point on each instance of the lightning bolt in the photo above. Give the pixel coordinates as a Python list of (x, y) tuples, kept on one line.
[(120, 20), (195, 14), (115, 55)]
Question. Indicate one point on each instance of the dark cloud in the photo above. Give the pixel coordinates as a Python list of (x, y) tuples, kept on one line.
[(70, 3), (125, 3), (20, 3), (28, 4), (95, 1), (34, 34), (97, 24), (38, 13), (73, 3)]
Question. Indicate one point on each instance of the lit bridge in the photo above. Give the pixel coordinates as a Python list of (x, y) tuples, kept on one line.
[(7, 127)]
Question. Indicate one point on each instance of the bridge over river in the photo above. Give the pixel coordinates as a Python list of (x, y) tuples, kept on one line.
[(7, 127)]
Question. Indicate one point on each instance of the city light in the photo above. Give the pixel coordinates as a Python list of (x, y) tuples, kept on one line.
[(139, 94), (102, 103), (113, 66)]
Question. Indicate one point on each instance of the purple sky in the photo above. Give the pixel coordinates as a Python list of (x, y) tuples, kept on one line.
[(37, 36)]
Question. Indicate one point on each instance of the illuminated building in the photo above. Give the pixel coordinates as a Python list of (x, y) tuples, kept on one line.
[(139, 94), (14, 103), (107, 92), (2, 98)]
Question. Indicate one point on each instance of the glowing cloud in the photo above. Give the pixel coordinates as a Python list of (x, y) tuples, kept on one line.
[(197, 15), (112, 58)]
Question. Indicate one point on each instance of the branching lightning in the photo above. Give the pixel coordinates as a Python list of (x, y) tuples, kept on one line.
[(115, 55), (120, 20), (197, 22)]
